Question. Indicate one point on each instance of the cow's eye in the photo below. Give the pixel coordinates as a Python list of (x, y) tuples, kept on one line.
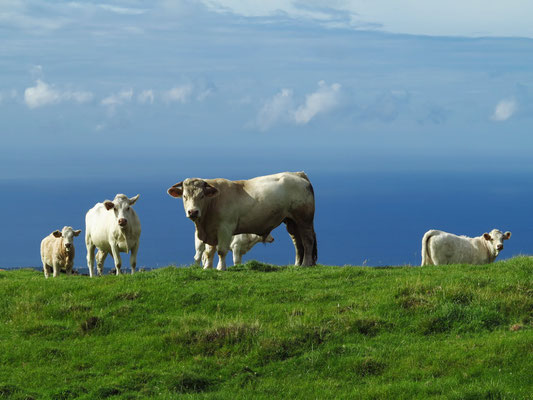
[(127, 209)]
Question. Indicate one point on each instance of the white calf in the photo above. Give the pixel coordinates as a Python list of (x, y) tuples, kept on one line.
[(240, 245), (112, 227), (57, 251), (439, 248)]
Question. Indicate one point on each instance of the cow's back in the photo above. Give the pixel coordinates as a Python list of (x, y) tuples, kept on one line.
[(47, 249), (288, 189), (447, 248), (266, 201), (53, 250), (98, 223)]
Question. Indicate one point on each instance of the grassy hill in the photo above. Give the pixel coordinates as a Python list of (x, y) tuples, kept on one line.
[(263, 332)]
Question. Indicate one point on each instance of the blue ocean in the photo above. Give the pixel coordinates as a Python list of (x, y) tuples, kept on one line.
[(366, 218)]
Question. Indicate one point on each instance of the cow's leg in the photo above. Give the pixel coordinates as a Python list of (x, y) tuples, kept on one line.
[(90, 256), (116, 257), (224, 241), (307, 233), (200, 248), (100, 259), (133, 257), (296, 239), (208, 256), (237, 257), (56, 268), (46, 269)]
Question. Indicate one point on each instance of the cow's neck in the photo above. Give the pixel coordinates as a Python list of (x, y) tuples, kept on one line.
[(206, 225), (485, 245)]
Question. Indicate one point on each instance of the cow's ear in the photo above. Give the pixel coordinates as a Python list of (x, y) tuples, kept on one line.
[(176, 190), (57, 234), (109, 205), (486, 236), (507, 235), (77, 233), (133, 199), (210, 191)]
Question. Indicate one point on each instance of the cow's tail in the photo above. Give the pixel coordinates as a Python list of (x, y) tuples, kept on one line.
[(315, 250), (426, 257)]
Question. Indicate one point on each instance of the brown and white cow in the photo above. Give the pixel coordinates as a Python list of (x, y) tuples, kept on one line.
[(439, 248), (221, 208), (57, 251)]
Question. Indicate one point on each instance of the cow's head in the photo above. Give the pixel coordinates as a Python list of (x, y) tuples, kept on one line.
[(121, 206), (495, 240), (67, 233), (195, 192)]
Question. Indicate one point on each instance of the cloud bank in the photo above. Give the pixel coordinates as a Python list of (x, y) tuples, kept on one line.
[(43, 94)]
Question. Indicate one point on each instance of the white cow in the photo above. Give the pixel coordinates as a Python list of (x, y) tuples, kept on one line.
[(221, 208), (439, 248), (240, 245), (57, 251), (112, 227)]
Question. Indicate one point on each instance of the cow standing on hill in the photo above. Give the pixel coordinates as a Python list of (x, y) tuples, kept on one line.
[(240, 245), (221, 208), (112, 227), (57, 251), (440, 248)]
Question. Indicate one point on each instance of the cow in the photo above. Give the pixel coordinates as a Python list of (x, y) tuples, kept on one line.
[(221, 208), (240, 245), (57, 251), (439, 248), (112, 227)]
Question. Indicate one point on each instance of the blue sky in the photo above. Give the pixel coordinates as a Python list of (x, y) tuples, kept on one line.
[(215, 87)]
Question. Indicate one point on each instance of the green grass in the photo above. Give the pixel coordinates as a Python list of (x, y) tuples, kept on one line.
[(262, 332)]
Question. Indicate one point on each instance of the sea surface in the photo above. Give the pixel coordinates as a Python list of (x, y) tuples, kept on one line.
[(368, 218)]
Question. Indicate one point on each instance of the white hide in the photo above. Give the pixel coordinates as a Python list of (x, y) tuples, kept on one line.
[(240, 245), (221, 208), (112, 227), (440, 248), (57, 251)]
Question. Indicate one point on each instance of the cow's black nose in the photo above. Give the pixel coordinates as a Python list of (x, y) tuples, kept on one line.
[(122, 221), (500, 247), (192, 213), (67, 245)]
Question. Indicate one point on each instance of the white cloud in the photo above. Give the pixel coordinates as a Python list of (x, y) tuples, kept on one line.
[(43, 94), (275, 110), (146, 96), (504, 110), (281, 107), (323, 100), (119, 98), (179, 93)]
